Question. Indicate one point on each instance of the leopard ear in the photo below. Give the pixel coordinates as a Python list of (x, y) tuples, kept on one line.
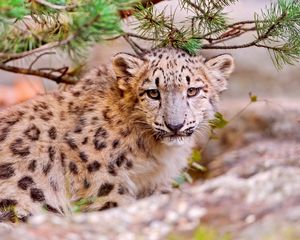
[(220, 68), (126, 65)]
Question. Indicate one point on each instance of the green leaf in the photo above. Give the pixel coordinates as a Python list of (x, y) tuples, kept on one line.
[(253, 98), (218, 121), (78, 205), (194, 160), (196, 156)]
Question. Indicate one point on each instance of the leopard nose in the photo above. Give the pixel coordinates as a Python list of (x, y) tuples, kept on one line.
[(174, 127)]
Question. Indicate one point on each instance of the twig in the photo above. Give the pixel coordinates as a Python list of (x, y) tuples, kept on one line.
[(228, 37), (195, 6), (145, 3), (14, 56), (56, 7), (136, 48), (221, 38), (240, 112), (246, 45), (38, 57), (228, 26), (62, 78), (62, 70), (249, 44), (268, 47), (131, 35), (238, 26), (235, 31), (48, 46)]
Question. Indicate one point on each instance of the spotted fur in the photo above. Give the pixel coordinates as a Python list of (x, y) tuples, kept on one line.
[(119, 134)]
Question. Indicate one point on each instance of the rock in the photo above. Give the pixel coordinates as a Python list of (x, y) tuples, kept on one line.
[(272, 119), (259, 196)]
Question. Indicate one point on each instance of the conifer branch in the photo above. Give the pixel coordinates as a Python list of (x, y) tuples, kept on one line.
[(136, 48), (56, 7), (68, 43), (61, 78), (72, 28), (14, 56), (38, 57)]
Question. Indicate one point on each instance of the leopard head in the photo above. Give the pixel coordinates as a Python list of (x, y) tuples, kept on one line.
[(175, 94)]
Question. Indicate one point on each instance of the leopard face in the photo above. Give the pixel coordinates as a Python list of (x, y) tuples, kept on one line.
[(176, 94)]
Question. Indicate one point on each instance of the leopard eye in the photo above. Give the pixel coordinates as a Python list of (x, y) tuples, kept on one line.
[(153, 94), (192, 92)]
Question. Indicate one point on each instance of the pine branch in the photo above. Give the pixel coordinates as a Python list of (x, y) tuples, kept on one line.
[(235, 25), (136, 48), (144, 3), (93, 20), (61, 78), (276, 28), (133, 35), (246, 45), (38, 57), (56, 7), (47, 20), (74, 27), (14, 56)]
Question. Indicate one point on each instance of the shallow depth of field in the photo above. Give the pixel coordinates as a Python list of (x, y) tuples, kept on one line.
[(244, 179)]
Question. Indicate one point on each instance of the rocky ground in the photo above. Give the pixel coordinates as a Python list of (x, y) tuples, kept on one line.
[(252, 192)]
